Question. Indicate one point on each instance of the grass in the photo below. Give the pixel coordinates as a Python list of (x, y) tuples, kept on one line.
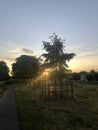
[(36, 113)]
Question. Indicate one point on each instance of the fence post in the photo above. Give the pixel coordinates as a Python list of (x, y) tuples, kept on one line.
[(42, 86), (72, 90), (66, 88), (48, 89), (61, 92)]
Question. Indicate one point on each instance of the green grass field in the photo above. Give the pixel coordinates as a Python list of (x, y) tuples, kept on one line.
[(36, 113)]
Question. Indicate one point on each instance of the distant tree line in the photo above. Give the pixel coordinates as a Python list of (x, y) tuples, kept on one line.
[(88, 76)]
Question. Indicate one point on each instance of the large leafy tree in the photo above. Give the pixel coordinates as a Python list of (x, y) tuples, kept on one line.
[(4, 71), (26, 67), (55, 55)]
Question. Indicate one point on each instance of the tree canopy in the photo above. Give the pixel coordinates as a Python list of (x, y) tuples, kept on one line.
[(26, 67), (56, 56), (4, 71)]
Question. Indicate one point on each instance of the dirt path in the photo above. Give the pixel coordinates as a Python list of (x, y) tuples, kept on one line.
[(8, 115)]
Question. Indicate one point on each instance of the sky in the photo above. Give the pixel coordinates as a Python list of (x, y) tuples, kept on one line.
[(24, 24)]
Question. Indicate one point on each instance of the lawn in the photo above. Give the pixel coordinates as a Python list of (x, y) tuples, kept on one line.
[(37, 113)]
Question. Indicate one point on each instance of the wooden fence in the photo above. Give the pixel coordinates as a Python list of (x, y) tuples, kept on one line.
[(57, 89)]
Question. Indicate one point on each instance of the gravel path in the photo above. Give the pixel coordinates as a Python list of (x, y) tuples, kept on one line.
[(8, 115)]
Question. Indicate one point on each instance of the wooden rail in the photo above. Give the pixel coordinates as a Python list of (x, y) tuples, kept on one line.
[(57, 89)]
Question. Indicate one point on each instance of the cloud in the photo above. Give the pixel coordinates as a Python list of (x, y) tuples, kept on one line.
[(92, 54), (7, 58), (9, 47), (28, 51), (88, 54), (13, 49)]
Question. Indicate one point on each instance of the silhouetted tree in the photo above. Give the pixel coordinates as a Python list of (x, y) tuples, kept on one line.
[(91, 75), (56, 56), (26, 67), (76, 76), (4, 71), (96, 76), (92, 72)]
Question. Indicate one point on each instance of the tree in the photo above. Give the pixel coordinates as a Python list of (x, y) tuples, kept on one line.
[(56, 56), (4, 71), (91, 75), (26, 67), (96, 76), (76, 76)]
